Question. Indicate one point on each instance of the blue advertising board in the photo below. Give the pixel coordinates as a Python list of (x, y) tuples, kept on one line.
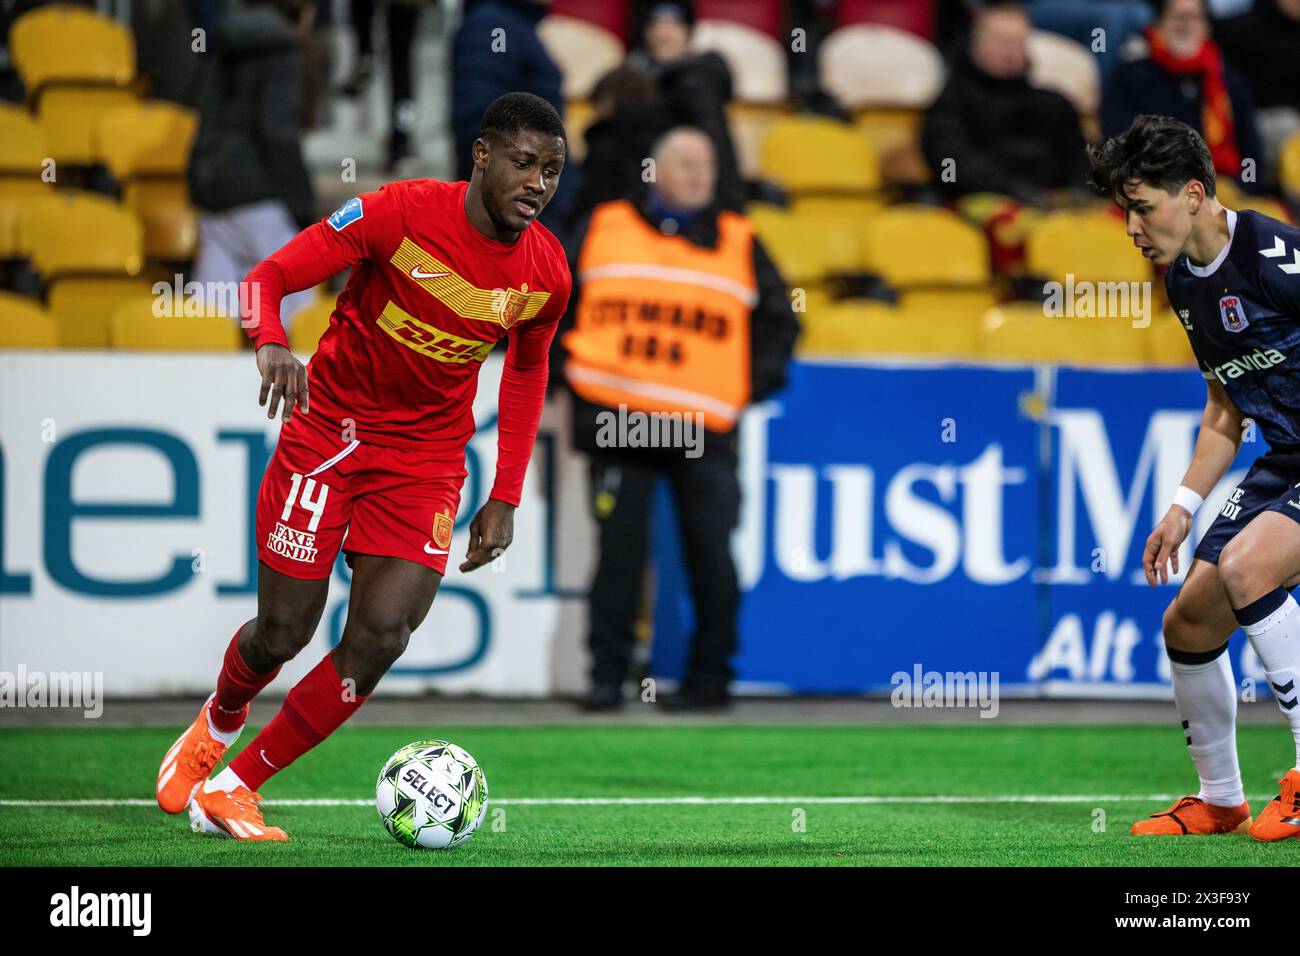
[(957, 518)]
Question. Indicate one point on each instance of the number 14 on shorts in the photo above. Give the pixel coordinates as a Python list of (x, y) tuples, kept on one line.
[(312, 499)]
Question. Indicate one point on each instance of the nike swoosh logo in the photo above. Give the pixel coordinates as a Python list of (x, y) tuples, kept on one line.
[(418, 273), (429, 550), (267, 762)]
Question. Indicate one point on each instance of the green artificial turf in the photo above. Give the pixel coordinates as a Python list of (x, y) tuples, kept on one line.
[(1114, 767)]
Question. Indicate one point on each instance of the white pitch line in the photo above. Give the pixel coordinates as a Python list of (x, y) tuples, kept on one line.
[(674, 801)]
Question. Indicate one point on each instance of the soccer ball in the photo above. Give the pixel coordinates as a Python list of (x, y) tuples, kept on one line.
[(431, 795)]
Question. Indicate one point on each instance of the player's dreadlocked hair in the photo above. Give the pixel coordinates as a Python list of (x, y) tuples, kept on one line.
[(1157, 150), (511, 113)]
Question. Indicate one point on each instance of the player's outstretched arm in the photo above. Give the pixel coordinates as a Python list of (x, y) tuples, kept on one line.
[(1217, 445)]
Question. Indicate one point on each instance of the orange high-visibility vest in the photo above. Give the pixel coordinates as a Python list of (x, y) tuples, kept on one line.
[(662, 325)]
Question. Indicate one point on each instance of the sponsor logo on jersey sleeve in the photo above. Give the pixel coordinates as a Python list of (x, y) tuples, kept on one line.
[(346, 214)]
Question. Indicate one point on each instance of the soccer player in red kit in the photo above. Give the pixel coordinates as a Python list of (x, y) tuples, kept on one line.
[(376, 449)]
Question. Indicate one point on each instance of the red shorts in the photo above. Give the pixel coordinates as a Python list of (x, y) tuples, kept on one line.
[(319, 489)]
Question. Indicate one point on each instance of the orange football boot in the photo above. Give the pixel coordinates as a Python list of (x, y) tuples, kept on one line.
[(235, 813), (1280, 820), (1192, 816), (188, 763)]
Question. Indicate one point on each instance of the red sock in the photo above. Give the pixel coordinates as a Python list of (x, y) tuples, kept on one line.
[(315, 708), (236, 686)]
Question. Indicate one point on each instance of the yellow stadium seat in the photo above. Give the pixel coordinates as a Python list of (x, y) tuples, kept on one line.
[(310, 323), (170, 223), (857, 207), (87, 250), (895, 134), (133, 324), (913, 246), (147, 138), (146, 147), (70, 118), (970, 304), (864, 327), (82, 306), (814, 154), (807, 248), (1089, 245), (80, 233), (1289, 165), (61, 45), (22, 152), (25, 325), (1024, 332)]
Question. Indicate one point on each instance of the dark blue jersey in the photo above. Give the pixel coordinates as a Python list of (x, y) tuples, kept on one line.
[(1242, 316)]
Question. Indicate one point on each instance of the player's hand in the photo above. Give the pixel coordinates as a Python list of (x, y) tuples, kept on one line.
[(490, 533), (283, 377), (1162, 546)]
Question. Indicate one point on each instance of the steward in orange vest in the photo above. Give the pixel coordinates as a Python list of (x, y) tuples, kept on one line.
[(674, 315)]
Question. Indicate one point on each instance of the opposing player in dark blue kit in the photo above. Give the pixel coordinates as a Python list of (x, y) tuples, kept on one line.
[(1233, 280)]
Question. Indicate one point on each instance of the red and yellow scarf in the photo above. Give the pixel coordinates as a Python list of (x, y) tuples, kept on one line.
[(1216, 109)]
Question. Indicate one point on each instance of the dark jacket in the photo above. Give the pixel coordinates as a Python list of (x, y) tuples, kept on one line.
[(479, 74), (1143, 86), (1264, 45), (248, 146), (773, 328), (617, 147), (695, 91), (1004, 135)]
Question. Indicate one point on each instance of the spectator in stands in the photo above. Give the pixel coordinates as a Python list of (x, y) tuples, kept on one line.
[(628, 117), (716, 337), (695, 88), (1175, 69), (1001, 134), (247, 177), (400, 21), (1264, 44), (496, 50), (998, 145)]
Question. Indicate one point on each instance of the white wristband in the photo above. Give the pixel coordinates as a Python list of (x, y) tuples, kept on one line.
[(1184, 497)]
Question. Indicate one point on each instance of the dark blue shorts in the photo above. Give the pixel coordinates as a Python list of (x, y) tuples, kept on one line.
[(1272, 484)]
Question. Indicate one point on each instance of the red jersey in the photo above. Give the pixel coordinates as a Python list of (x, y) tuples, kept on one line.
[(428, 298)]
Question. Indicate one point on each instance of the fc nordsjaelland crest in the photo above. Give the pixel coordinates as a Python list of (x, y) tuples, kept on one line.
[(1234, 315), (512, 306), (442, 523)]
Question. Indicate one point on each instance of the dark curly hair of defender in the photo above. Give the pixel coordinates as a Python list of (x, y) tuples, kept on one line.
[(1157, 150), (512, 112)]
